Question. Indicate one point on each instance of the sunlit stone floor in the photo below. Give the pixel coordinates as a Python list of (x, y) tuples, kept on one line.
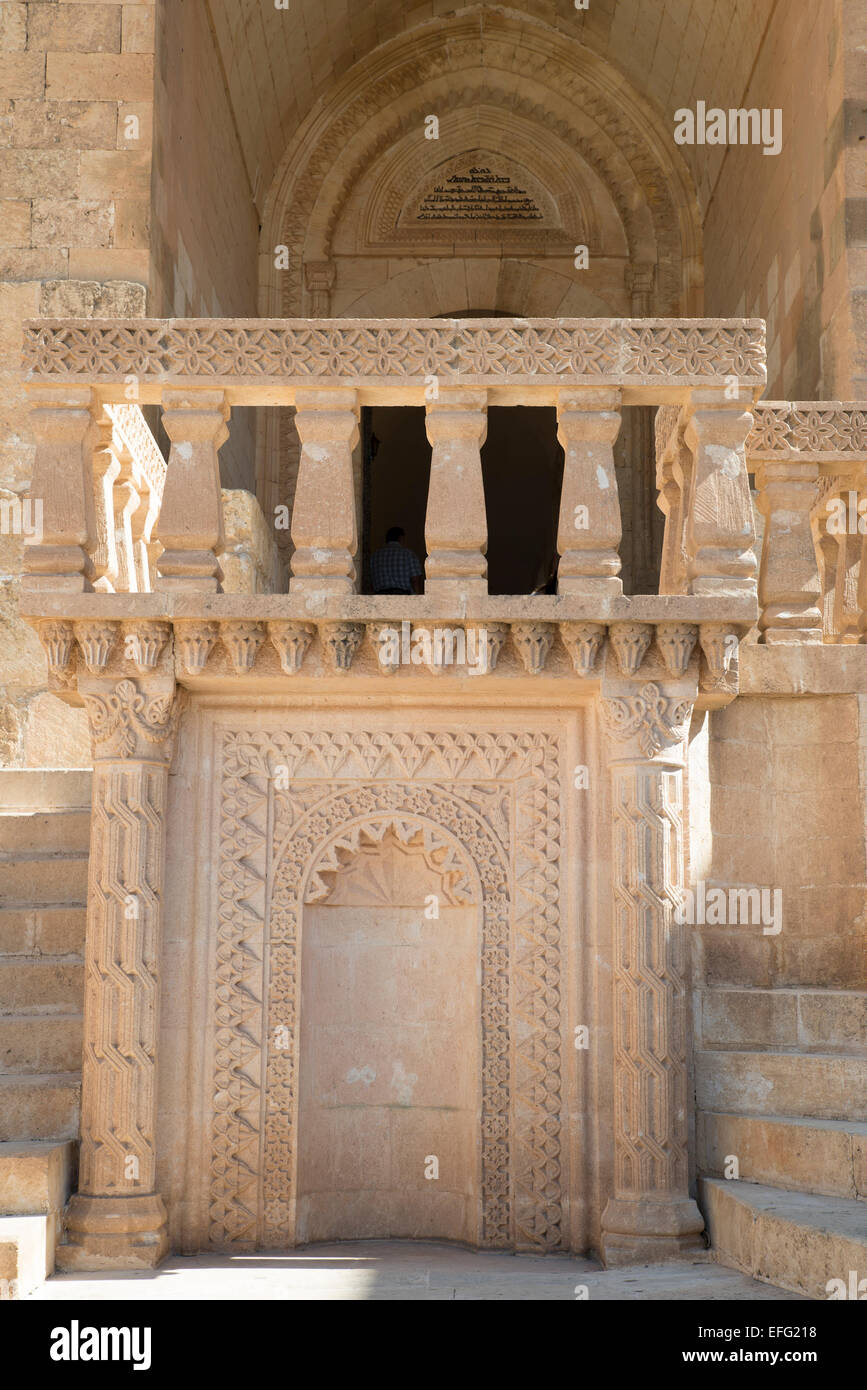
[(369, 1270)]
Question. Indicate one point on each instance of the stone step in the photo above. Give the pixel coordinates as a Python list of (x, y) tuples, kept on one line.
[(821, 1156), (49, 931), (27, 1245), (44, 881), (44, 832), (45, 985), (779, 1019), (36, 1177), (795, 1240), (40, 788), (35, 1043), (39, 1107), (816, 1085)]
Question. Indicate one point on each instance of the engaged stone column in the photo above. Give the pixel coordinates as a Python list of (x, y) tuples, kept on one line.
[(190, 523), (651, 1215), (456, 524), (720, 535), (589, 530), (117, 1219), (324, 527), (789, 588), (59, 519)]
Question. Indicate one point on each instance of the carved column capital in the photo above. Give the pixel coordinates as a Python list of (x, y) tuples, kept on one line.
[(646, 723), (132, 720)]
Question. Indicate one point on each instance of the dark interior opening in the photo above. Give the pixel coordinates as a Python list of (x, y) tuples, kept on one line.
[(522, 470)]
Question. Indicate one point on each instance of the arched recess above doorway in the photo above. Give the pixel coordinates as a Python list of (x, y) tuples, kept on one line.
[(500, 84)]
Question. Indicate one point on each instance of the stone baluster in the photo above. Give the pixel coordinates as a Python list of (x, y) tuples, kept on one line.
[(650, 1215), (117, 1218), (106, 467), (324, 525), (826, 555), (673, 478), (61, 522), (127, 504), (142, 523), (847, 589), (589, 529), (789, 588), (456, 523), (720, 535), (190, 525)]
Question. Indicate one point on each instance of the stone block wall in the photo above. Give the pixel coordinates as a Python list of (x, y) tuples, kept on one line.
[(76, 106), (787, 779), (783, 233)]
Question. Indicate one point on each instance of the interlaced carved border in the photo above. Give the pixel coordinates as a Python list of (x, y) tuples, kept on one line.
[(802, 428), (301, 350), (495, 797)]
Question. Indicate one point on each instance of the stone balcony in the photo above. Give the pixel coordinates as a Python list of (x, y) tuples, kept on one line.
[(130, 548)]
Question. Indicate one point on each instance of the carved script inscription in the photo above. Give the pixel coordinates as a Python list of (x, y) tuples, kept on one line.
[(479, 195)]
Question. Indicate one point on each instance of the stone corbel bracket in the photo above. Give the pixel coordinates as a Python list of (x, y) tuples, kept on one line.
[(210, 651)]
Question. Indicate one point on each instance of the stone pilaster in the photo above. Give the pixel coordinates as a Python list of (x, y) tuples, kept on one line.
[(456, 524), (589, 529), (650, 1215), (324, 526), (117, 1219)]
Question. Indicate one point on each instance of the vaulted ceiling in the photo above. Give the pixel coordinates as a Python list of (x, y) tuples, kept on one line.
[(279, 64)]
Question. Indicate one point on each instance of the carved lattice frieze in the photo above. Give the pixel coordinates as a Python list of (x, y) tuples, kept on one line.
[(358, 350)]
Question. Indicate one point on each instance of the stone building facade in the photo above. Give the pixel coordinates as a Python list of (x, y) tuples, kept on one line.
[(527, 912)]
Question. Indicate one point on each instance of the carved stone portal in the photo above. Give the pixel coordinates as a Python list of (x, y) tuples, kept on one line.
[(486, 808)]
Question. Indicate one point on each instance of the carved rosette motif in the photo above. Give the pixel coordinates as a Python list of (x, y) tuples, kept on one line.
[(471, 793)]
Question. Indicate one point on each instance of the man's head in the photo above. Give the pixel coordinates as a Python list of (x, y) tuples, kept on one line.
[(394, 533)]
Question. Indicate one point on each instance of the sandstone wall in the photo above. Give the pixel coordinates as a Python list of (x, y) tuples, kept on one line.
[(786, 804), (76, 102), (783, 233), (205, 224)]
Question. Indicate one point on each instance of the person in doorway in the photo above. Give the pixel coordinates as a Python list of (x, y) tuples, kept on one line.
[(394, 568)]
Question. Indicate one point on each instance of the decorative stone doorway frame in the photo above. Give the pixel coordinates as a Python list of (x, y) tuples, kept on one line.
[(493, 799)]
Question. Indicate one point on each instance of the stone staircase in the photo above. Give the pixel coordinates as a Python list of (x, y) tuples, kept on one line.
[(44, 830), (781, 1086)]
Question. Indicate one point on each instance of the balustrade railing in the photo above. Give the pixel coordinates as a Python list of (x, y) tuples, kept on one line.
[(121, 529)]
